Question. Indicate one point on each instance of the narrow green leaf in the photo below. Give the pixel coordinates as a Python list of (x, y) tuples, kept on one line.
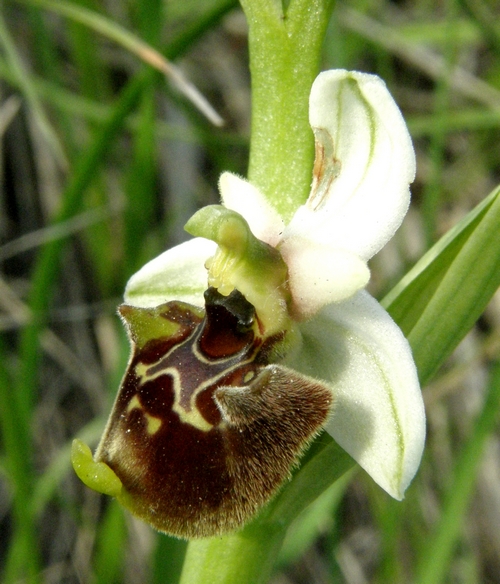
[(317, 472), (140, 181), (435, 557), (94, 81), (23, 555), (24, 79), (168, 559), (315, 518), (475, 118), (134, 44), (440, 299), (110, 549)]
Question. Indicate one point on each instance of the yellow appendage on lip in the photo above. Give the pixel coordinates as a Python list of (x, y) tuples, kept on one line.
[(96, 475)]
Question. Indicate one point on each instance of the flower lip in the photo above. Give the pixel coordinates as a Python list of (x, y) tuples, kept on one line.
[(206, 426)]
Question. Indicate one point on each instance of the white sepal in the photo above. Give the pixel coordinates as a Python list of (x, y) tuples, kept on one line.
[(378, 415), (360, 190), (177, 274)]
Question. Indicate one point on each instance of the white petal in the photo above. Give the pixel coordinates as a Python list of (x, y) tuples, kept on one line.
[(378, 415), (362, 193), (177, 274), (241, 196), (319, 275)]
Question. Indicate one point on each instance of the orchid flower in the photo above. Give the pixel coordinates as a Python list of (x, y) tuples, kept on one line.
[(269, 326)]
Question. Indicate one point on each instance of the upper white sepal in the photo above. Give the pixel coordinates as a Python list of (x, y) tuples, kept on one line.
[(362, 193)]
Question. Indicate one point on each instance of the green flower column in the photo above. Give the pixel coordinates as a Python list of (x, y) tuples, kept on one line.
[(285, 48)]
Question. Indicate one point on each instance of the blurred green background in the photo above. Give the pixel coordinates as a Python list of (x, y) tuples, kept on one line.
[(102, 163)]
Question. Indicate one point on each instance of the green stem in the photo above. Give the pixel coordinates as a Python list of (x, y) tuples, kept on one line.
[(285, 49), (244, 557)]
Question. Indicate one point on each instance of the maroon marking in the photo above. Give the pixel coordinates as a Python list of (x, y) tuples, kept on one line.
[(228, 326), (220, 337), (192, 370), (195, 483)]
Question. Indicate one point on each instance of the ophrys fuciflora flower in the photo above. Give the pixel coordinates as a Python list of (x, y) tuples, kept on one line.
[(255, 335)]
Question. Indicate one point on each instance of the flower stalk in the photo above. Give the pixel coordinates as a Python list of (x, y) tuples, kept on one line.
[(285, 48), (246, 556)]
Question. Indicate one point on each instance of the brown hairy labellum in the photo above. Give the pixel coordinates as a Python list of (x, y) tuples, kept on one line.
[(204, 429)]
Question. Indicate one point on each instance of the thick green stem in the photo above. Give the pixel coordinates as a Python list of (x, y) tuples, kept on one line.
[(244, 557), (285, 49)]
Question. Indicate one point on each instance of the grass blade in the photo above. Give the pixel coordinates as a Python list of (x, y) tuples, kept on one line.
[(436, 555), (440, 299), (135, 45)]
